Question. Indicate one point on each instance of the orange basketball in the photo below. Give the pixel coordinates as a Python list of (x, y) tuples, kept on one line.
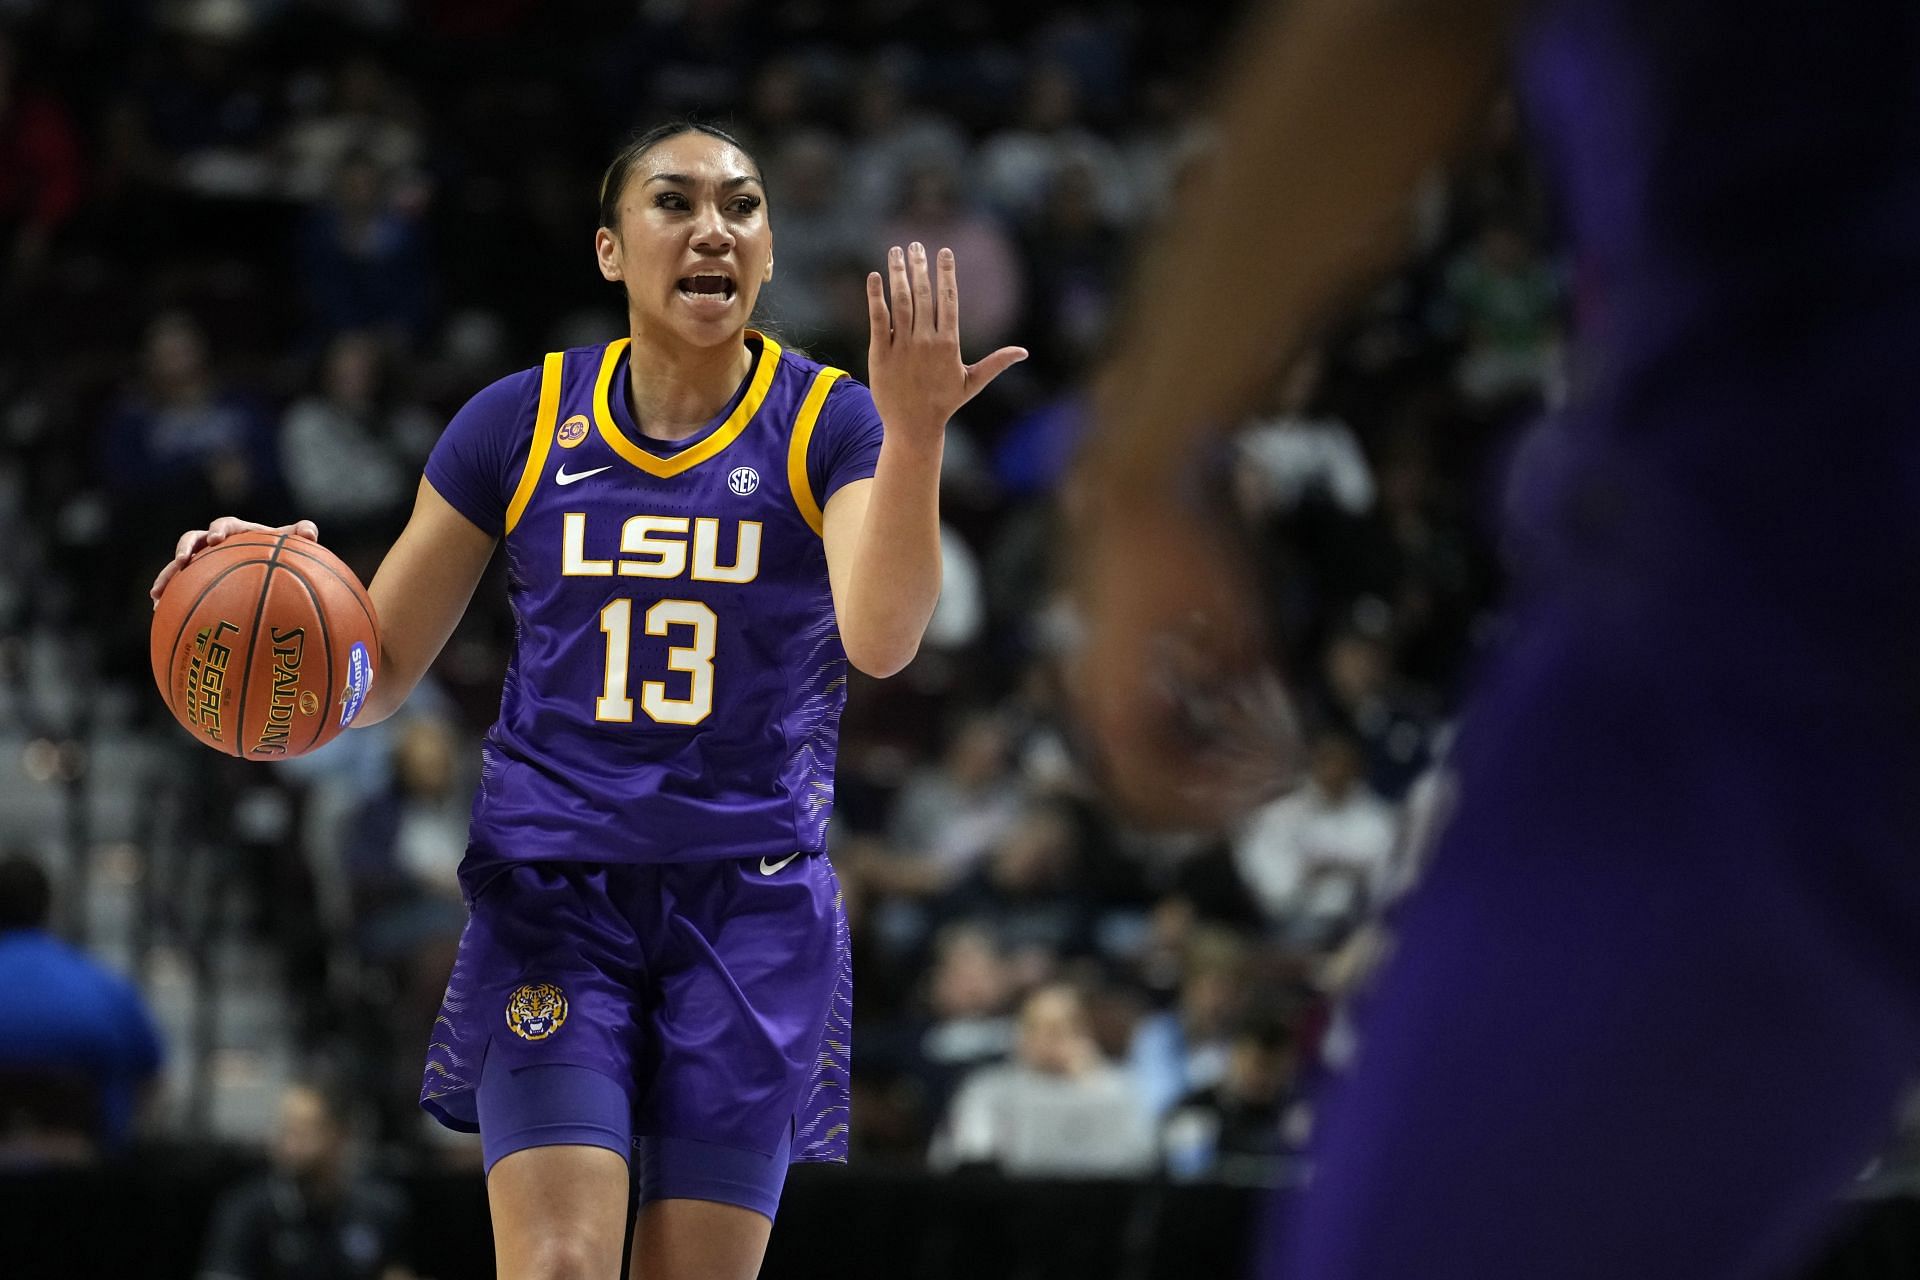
[(264, 647)]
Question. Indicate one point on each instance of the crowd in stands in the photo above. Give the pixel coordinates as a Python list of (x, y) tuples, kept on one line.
[(254, 252)]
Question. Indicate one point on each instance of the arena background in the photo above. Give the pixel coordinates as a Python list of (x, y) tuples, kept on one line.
[(253, 253)]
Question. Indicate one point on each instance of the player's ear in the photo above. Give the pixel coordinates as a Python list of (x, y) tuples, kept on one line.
[(769, 272), (606, 250)]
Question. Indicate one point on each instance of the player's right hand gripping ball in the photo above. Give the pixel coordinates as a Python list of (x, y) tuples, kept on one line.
[(264, 646)]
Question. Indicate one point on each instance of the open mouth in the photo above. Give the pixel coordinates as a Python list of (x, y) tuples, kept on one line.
[(706, 286)]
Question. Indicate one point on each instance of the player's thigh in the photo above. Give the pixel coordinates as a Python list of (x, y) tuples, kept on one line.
[(1649, 1012), (559, 1213), (698, 1240), (749, 1040)]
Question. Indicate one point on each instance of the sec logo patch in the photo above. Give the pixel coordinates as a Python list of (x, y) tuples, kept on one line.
[(572, 431), (536, 1010), (743, 480)]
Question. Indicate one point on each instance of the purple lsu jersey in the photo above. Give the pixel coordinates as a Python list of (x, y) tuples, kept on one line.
[(677, 674)]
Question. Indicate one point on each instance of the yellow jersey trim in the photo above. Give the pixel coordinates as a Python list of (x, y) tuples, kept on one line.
[(797, 482), (543, 422), (693, 456)]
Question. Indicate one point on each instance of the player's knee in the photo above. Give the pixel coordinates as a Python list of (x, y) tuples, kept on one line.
[(565, 1255)]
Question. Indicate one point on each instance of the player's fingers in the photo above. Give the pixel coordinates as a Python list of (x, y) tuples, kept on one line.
[(225, 527), (305, 529), (980, 374), (879, 324), (901, 290), (189, 543), (947, 305), (923, 319), (160, 582)]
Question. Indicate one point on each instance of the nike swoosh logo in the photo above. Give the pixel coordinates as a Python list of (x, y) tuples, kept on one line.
[(561, 476), (768, 868)]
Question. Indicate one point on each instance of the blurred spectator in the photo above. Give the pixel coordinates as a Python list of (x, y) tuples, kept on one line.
[(81, 1051), (1393, 717), (403, 856), (1036, 449), (1057, 1109), (818, 230), (892, 138), (961, 610), (1505, 301), (1074, 262), (1029, 891), (39, 173), (948, 815), (961, 1018), (1020, 166), (1318, 857), (364, 259), (1185, 1048), (184, 445), (1235, 1130), (312, 1216), (350, 450), (931, 211), (1294, 453), (1163, 142), (691, 56), (367, 116), (971, 991), (970, 995), (778, 102), (207, 105)]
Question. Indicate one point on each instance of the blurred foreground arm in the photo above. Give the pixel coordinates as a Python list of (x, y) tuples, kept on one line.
[(1330, 116)]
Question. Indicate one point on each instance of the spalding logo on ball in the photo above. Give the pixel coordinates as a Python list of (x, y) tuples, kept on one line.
[(263, 646)]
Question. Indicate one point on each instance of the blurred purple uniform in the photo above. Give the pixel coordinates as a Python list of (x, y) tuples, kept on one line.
[(651, 902), (1659, 993)]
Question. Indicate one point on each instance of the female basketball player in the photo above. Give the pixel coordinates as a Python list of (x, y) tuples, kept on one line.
[(701, 531)]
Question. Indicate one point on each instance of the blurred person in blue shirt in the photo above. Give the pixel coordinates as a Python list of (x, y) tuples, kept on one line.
[(80, 1049)]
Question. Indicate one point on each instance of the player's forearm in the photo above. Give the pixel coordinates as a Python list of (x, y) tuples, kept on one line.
[(397, 671), (1332, 115), (896, 579), (419, 594)]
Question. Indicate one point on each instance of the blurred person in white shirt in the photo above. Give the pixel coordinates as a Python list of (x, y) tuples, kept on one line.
[(1293, 452), (1316, 858), (1059, 1108)]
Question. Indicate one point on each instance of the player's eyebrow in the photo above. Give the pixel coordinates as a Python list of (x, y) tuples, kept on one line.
[(683, 180)]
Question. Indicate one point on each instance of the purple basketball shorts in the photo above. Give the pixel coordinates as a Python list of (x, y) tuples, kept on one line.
[(695, 1014)]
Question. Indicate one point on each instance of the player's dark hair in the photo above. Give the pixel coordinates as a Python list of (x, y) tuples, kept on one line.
[(614, 181), (26, 895)]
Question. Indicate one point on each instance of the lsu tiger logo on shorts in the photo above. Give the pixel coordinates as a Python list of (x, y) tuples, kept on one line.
[(536, 1010)]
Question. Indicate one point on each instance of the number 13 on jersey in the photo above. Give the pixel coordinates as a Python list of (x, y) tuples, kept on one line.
[(696, 659)]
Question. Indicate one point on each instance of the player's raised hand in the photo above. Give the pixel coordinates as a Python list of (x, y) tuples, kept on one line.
[(194, 541), (913, 352)]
